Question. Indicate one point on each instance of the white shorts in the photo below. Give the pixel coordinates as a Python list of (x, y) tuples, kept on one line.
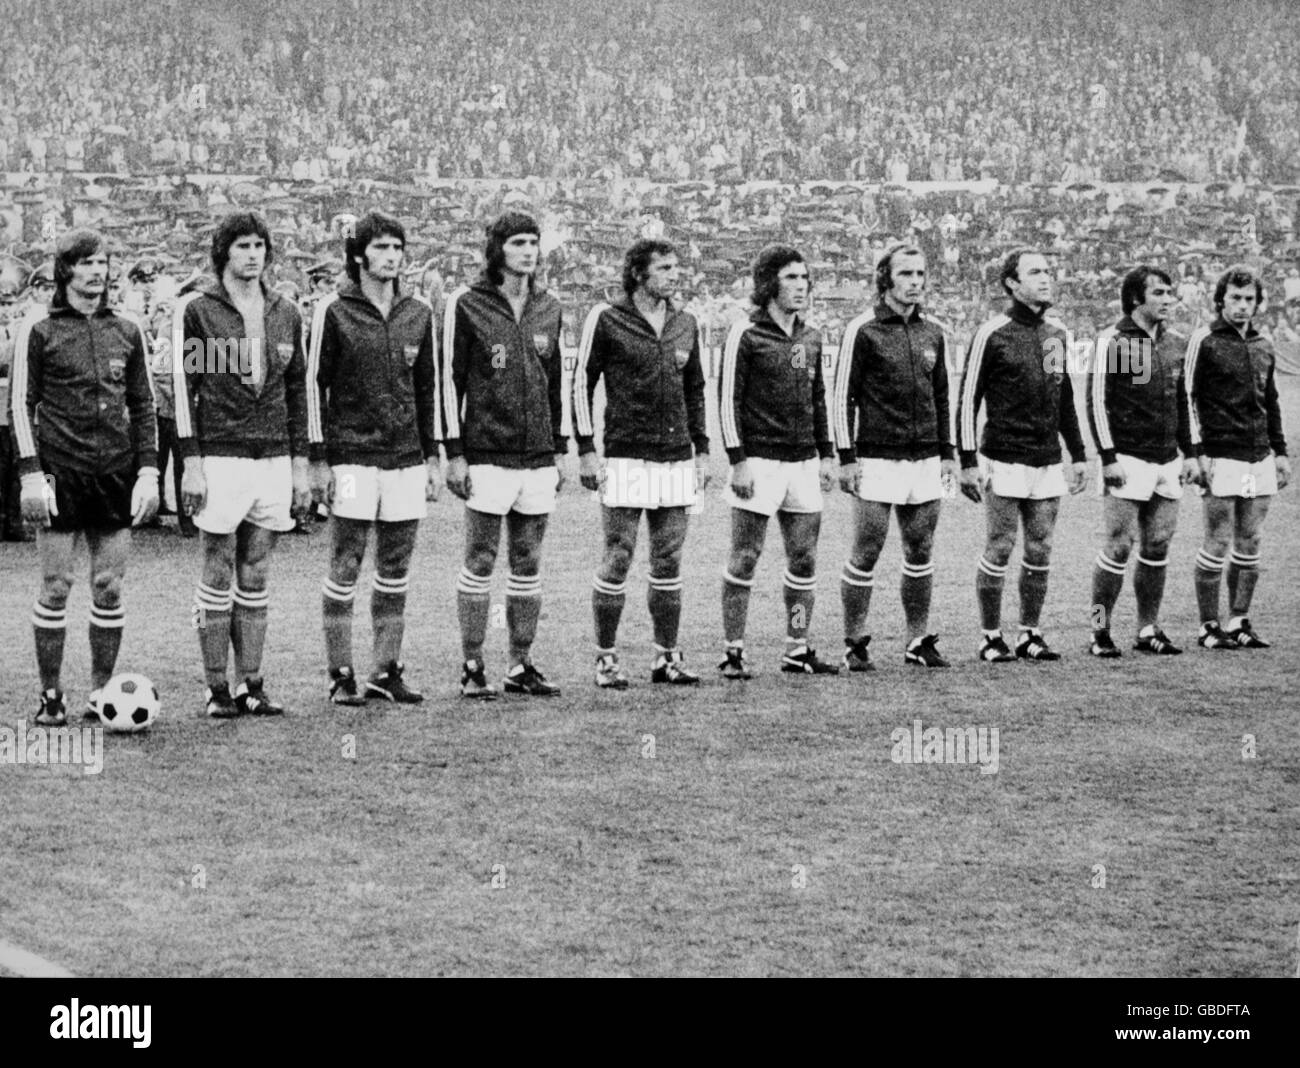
[(526, 490), (241, 489), (1240, 478), (781, 486), (1022, 481), (900, 481), (1144, 479), (370, 493), (634, 483)]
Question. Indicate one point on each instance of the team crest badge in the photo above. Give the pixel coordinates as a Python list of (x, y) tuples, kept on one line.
[(285, 350), (928, 359), (681, 356), (410, 352), (117, 370), (541, 343)]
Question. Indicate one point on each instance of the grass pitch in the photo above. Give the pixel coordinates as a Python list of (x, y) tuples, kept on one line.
[(755, 828)]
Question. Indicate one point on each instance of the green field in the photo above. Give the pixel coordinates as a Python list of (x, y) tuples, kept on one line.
[(768, 834)]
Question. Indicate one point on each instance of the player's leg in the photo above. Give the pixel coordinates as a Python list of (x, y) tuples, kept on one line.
[(1120, 523), (748, 533), (253, 547), (916, 526), (870, 528), (473, 591), (1220, 514), (800, 532), (57, 550), (609, 590), (667, 526), (1039, 518), (212, 610), (1158, 520), (108, 552), (1243, 569), (524, 535), (348, 539), (1002, 523), (394, 544)]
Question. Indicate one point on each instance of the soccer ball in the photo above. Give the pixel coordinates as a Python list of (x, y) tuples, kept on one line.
[(128, 703)]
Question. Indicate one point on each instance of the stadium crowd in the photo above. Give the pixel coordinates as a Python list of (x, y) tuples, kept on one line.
[(720, 126), (893, 91)]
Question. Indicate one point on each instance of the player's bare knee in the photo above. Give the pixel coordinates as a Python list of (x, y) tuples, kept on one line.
[(1214, 544), (666, 565), (802, 563), (1120, 546), (998, 550), (1246, 546), (525, 560), (743, 562), (393, 561), (917, 550), (481, 560), (218, 564), (106, 589), (252, 577), (345, 568), (616, 562), (1154, 547), (55, 587), (1038, 551)]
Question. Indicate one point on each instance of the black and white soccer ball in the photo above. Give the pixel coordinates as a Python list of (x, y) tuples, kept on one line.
[(128, 703)]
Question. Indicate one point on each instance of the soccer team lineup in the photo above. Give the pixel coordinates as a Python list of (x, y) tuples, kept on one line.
[(376, 401)]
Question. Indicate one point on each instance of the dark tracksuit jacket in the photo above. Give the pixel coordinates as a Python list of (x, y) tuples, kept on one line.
[(1017, 367), (81, 398), (891, 383), (1232, 394), (502, 380), (372, 389), (1137, 403), (219, 411), (654, 384), (772, 394)]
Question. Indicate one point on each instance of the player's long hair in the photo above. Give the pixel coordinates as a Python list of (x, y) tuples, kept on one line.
[(74, 246), (1011, 265), (372, 225), (637, 261), (501, 231), (769, 264), (1239, 274), (885, 268), (231, 228)]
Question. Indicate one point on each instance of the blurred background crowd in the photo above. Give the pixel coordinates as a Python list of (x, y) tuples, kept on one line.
[(1106, 134)]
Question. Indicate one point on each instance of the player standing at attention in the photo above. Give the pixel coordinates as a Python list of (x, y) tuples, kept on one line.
[(891, 384), (372, 418), (1018, 365), (1137, 411), (772, 406), (241, 424), (503, 407), (88, 461), (648, 350), (1236, 427)]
